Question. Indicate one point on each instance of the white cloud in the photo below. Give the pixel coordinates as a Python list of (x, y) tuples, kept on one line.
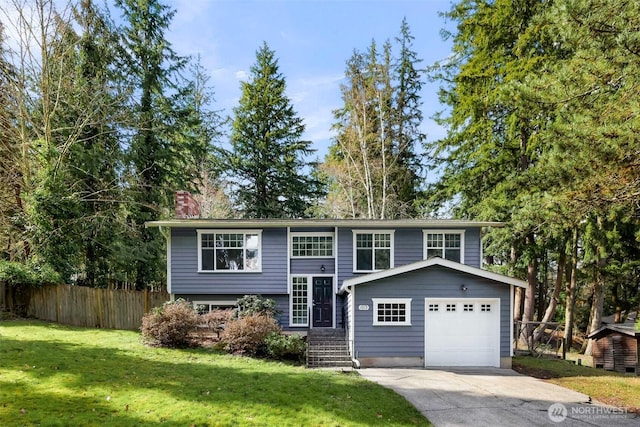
[(241, 75)]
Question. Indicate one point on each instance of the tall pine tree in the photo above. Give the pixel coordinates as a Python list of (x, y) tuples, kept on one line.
[(164, 152), (267, 163)]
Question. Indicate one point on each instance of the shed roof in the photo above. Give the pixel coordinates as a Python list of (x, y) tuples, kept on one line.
[(631, 318), (607, 329), (275, 223), (367, 278)]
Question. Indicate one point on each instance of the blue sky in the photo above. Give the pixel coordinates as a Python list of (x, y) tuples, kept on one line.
[(312, 40)]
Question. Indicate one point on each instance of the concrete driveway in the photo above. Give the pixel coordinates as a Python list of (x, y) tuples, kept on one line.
[(495, 397)]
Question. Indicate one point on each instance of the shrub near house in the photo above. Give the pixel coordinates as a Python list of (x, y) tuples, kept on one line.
[(250, 330)]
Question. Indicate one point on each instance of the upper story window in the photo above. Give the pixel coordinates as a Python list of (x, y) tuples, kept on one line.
[(373, 250), (447, 244), (312, 245), (230, 250)]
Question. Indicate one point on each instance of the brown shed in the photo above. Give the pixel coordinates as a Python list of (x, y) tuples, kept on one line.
[(617, 348)]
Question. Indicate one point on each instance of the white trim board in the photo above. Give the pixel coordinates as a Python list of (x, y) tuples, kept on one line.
[(349, 283)]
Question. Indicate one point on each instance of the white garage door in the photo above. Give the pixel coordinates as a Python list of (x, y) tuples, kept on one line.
[(462, 332)]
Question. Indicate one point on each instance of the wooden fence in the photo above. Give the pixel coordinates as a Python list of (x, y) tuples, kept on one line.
[(89, 307)]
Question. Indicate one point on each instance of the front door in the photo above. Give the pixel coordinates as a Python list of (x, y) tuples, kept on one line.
[(322, 302)]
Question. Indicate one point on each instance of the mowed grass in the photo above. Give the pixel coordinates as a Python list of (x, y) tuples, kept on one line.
[(612, 388), (55, 375)]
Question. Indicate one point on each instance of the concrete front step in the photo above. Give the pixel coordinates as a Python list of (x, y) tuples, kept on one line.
[(327, 348)]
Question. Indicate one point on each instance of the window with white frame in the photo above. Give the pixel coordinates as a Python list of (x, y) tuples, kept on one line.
[(373, 250), (204, 307), (444, 244), (229, 250), (391, 311), (299, 301), (312, 245)]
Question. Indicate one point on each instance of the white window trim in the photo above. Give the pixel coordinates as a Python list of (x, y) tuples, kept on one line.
[(355, 249), (309, 284), (200, 232), (226, 304), (439, 231), (405, 301), (312, 234), (309, 278)]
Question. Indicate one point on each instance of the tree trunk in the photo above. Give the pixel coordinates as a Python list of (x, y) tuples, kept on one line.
[(596, 308), (571, 290), (517, 303), (542, 289), (530, 300), (553, 303), (597, 305)]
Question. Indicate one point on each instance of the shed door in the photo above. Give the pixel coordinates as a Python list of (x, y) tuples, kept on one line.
[(462, 332)]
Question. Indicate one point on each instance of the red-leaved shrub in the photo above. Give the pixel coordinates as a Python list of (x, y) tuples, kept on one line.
[(216, 320), (247, 334), (169, 325)]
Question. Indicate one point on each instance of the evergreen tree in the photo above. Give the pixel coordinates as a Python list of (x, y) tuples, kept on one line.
[(540, 95), (408, 119), (164, 151), (12, 227), (267, 163), (74, 205)]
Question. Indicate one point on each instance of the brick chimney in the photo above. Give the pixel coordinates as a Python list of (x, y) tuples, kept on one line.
[(186, 206)]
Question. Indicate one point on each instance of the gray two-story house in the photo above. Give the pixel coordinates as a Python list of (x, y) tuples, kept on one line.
[(408, 292)]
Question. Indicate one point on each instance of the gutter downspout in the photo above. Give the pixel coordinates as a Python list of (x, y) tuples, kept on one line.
[(354, 362)]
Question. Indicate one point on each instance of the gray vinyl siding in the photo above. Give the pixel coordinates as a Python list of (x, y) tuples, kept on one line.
[(185, 278), (472, 244), (433, 282), (408, 248), (312, 265)]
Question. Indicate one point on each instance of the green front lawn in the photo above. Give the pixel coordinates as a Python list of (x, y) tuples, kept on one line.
[(57, 375), (612, 388)]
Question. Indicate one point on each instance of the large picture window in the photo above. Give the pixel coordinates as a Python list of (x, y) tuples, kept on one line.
[(229, 250), (444, 244), (312, 245), (373, 251), (391, 311)]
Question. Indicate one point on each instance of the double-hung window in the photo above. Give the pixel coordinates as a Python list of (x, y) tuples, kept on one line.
[(391, 311), (444, 244), (373, 250), (229, 250)]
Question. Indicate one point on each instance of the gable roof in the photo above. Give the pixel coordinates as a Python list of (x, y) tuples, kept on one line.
[(348, 283), (274, 223), (622, 328)]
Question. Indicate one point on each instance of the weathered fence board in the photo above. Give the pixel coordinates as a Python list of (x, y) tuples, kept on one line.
[(89, 307)]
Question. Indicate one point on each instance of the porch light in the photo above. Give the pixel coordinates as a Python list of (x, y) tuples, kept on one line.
[(322, 268), (463, 288)]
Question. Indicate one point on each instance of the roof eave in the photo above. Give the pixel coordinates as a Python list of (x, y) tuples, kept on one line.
[(350, 283), (274, 223)]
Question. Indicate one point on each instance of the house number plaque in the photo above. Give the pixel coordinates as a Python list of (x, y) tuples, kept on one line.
[(363, 307)]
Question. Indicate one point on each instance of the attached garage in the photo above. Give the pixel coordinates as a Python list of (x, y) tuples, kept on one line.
[(462, 332), (431, 313)]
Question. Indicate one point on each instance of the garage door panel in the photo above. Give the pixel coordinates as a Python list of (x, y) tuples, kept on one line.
[(462, 332)]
